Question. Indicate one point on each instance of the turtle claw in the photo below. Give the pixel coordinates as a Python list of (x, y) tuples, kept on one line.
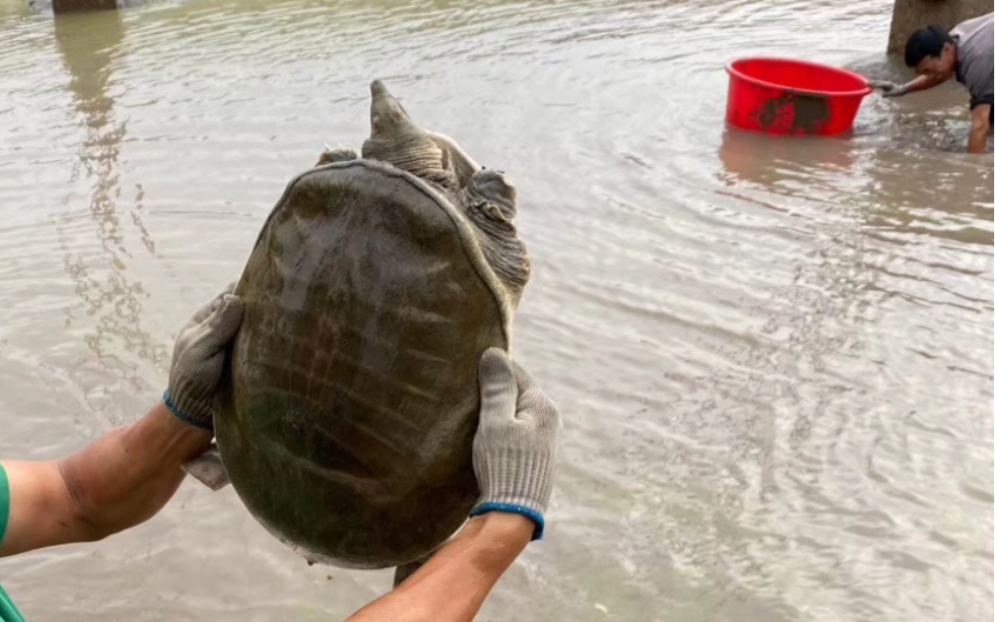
[(208, 469)]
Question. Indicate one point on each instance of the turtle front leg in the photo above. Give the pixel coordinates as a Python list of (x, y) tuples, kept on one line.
[(489, 202), (340, 154), (208, 469), (491, 196), (404, 571)]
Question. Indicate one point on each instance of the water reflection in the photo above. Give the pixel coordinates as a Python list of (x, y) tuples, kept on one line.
[(89, 45), (774, 162), (866, 179)]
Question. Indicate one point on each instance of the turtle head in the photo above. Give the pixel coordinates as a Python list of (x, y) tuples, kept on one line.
[(397, 140), (388, 118)]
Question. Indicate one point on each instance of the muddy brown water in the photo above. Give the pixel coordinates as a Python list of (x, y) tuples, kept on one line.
[(774, 357)]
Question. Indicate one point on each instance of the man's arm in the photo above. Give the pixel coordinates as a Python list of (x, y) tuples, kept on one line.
[(453, 584), (891, 89), (980, 127), (119, 481), (922, 83)]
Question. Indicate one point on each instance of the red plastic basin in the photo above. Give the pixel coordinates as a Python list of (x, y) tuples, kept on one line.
[(781, 96)]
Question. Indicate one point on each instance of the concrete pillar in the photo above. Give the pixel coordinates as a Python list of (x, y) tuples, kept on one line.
[(911, 15), (67, 6)]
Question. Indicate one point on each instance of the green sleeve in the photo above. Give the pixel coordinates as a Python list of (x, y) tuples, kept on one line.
[(4, 502), (8, 611)]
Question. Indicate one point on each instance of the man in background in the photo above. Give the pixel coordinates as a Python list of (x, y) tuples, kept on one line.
[(964, 52)]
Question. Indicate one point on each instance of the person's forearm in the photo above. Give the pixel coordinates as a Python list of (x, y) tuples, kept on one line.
[(980, 128), (129, 474), (453, 584), (921, 83), (120, 480), (979, 138)]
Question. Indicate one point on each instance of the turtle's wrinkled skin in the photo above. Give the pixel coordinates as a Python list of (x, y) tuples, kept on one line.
[(372, 291)]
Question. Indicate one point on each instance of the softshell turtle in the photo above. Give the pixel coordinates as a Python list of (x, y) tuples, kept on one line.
[(371, 293)]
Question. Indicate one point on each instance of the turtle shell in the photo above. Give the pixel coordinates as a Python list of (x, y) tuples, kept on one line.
[(352, 400)]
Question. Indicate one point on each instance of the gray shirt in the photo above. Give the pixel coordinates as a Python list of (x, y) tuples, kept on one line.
[(974, 57)]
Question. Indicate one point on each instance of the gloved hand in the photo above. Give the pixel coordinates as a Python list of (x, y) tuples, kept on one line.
[(890, 89), (514, 451), (198, 359)]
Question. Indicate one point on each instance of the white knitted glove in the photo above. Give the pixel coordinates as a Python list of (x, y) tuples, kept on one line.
[(890, 89), (514, 451), (199, 357)]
